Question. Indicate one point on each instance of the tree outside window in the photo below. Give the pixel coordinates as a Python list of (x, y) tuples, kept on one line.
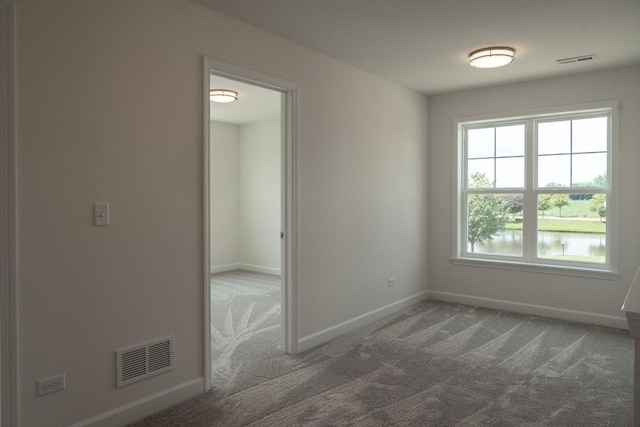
[(537, 189)]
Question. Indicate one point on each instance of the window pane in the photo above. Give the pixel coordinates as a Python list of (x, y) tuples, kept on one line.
[(589, 135), (510, 141), (554, 137), (494, 224), (553, 171), (510, 172), (572, 227), (589, 169), (480, 173), (567, 177), (480, 143)]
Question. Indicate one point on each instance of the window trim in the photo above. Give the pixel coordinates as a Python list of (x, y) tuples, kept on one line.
[(529, 262)]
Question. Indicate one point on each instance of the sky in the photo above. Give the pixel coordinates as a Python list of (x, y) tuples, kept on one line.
[(568, 152)]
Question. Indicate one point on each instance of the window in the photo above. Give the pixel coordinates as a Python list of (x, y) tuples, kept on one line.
[(538, 191)]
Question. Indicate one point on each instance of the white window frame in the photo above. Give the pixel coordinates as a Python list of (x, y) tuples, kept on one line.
[(529, 261)]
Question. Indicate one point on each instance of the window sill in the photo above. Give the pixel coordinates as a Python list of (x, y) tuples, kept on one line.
[(537, 268)]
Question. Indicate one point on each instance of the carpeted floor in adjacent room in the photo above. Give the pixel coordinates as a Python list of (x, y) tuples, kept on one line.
[(434, 364), (245, 329)]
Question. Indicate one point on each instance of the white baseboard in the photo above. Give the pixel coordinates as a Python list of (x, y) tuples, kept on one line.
[(223, 268), (328, 334), (536, 310), (259, 269), (141, 408), (248, 267)]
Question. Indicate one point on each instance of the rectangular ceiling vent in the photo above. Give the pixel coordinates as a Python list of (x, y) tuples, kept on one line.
[(577, 59), (143, 361)]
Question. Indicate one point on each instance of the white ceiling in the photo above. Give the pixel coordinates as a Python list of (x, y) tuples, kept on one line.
[(424, 44), (254, 103)]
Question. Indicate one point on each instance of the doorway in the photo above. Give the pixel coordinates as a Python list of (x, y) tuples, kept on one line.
[(249, 224)]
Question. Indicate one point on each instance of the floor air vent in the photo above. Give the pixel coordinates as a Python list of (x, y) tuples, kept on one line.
[(142, 361)]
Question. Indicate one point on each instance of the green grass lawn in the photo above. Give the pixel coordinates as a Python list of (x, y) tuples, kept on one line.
[(576, 208), (573, 226), (596, 259)]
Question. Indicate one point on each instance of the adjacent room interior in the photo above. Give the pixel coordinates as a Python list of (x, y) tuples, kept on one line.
[(245, 226)]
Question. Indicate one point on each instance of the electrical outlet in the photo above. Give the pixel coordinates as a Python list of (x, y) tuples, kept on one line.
[(391, 282), (51, 385)]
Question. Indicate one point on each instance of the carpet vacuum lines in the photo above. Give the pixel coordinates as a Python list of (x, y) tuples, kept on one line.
[(433, 364)]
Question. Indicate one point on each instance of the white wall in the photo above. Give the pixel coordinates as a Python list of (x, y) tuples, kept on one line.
[(597, 300), (245, 196), (110, 109), (260, 220), (224, 195)]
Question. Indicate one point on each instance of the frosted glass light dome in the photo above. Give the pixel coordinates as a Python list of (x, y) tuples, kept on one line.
[(223, 95), (492, 57)]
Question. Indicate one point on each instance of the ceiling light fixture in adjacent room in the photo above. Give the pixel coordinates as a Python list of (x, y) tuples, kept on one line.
[(223, 95), (492, 57)]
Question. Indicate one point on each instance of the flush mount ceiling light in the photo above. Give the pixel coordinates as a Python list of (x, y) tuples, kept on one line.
[(223, 95), (492, 57)]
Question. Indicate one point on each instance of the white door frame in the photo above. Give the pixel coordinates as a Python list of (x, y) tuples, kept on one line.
[(8, 209), (289, 91)]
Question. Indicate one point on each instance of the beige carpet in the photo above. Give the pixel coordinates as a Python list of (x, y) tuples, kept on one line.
[(437, 364), (245, 329)]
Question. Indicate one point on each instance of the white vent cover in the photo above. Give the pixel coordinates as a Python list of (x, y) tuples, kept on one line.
[(143, 361), (576, 59)]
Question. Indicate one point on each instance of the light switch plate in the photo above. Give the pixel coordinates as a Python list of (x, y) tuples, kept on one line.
[(100, 214)]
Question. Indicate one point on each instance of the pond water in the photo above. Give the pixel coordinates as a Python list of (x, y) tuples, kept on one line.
[(552, 244)]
